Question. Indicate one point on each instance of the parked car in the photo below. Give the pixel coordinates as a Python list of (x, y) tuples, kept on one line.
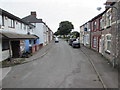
[(56, 40), (76, 44), (71, 41)]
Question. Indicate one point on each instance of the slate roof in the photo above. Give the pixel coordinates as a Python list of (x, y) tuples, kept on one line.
[(32, 19), (5, 13)]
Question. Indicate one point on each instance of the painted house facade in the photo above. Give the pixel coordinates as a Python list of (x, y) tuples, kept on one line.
[(96, 32), (87, 32), (82, 34), (14, 33), (41, 30)]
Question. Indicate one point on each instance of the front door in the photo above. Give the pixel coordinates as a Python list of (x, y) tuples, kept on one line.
[(15, 45)]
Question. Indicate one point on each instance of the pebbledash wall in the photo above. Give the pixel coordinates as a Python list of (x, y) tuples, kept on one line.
[(117, 43)]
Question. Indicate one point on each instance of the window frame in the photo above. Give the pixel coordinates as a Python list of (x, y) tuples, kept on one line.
[(93, 42), (108, 40)]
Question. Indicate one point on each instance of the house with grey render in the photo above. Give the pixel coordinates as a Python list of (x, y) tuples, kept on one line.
[(41, 29), (16, 36)]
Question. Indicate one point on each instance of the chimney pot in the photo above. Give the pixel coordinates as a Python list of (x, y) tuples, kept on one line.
[(33, 13)]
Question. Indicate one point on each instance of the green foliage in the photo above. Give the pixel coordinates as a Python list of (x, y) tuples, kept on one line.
[(75, 34), (65, 27), (57, 33)]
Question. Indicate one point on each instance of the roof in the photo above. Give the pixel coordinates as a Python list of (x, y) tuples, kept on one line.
[(5, 13), (15, 36), (32, 19)]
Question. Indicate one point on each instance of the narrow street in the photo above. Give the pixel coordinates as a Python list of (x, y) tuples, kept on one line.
[(62, 67)]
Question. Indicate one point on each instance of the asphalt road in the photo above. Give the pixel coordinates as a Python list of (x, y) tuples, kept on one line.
[(62, 67)]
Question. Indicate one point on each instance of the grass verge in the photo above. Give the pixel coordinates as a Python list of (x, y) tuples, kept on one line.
[(13, 62)]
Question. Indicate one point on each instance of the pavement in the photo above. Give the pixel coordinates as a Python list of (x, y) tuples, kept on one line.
[(39, 54), (43, 51), (107, 73)]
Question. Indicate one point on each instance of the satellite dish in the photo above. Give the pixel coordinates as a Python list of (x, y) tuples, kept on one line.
[(99, 8)]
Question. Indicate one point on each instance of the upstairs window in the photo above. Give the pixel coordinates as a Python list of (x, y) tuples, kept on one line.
[(2, 20), (101, 24), (24, 27), (11, 23), (108, 17), (20, 25), (94, 26)]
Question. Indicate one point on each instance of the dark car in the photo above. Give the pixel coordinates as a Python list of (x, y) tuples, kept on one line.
[(71, 41), (76, 44)]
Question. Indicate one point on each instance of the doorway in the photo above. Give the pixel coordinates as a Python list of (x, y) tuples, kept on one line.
[(15, 45)]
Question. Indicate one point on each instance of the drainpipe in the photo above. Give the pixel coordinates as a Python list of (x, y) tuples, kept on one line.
[(10, 51)]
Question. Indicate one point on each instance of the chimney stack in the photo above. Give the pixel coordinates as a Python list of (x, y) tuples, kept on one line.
[(33, 13)]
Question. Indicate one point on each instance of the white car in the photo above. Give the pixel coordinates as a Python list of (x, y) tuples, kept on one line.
[(56, 40)]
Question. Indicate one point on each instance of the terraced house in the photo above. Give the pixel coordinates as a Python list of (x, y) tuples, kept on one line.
[(42, 30), (15, 34), (105, 32), (85, 34)]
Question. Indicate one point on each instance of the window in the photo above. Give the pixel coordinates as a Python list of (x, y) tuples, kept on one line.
[(108, 19), (24, 27), (11, 23), (108, 42), (98, 24), (94, 26), (87, 39), (89, 26), (2, 20), (94, 41), (30, 41), (103, 21), (5, 45), (101, 24), (34, 41), (20, 25)]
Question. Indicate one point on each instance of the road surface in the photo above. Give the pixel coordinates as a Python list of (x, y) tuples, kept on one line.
[(62, 67)]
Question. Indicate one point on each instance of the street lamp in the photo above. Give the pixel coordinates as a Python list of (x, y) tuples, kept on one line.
[(114, 61)]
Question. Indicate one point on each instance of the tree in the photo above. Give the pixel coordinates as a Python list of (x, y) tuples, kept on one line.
[(65, 27), (56, 33), (75, 34)]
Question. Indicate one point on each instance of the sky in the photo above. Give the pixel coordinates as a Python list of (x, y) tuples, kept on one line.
[(54, 11)]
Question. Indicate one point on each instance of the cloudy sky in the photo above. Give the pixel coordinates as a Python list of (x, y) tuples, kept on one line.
[(54, 11)]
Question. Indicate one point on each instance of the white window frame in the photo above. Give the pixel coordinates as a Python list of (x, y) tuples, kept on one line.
[(94, 41), (11, 23), (106, 45)]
